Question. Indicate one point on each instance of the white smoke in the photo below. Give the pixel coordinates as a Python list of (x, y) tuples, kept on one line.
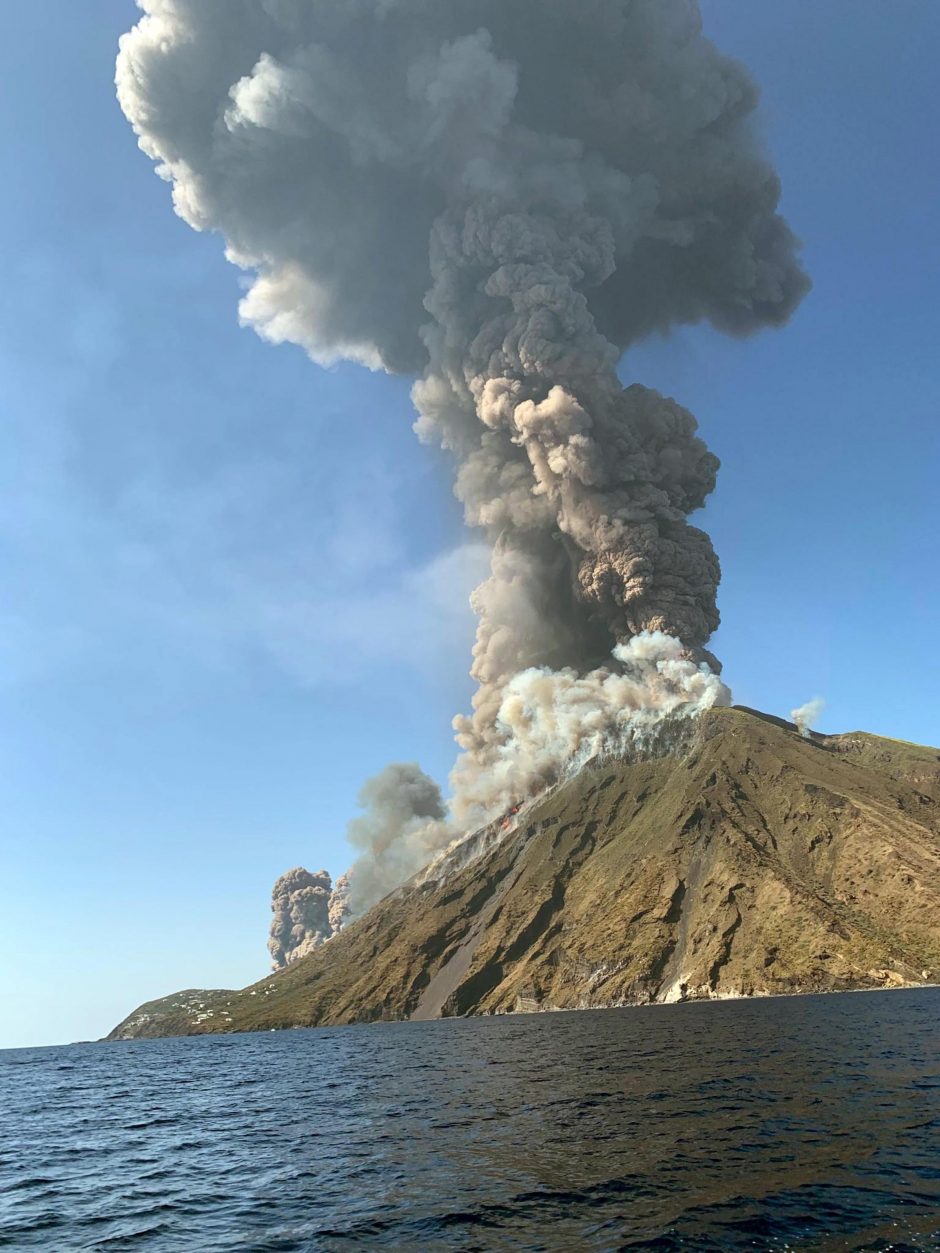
[(806, 716), (555, 721), (550, 723)]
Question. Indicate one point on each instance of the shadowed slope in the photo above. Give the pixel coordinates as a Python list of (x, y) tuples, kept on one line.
[(752, 862)]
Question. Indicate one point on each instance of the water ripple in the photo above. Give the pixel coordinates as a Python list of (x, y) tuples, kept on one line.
[(809, 1124)]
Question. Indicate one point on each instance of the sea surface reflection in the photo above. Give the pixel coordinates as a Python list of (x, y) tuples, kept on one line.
[(803, 1123)]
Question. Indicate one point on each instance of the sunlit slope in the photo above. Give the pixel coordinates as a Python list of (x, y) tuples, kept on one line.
[(754, 862)]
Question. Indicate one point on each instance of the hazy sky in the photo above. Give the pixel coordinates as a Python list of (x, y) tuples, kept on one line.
[(203, 652)]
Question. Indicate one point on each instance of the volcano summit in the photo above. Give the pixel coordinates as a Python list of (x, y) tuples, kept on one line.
[(751, 861)]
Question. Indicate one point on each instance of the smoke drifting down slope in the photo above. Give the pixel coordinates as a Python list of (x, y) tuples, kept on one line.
[(499, 196)]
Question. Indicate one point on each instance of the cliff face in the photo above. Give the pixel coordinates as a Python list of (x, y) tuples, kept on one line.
[(753, 862)]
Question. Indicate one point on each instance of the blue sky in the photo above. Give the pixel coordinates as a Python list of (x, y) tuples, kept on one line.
[(204, 650)]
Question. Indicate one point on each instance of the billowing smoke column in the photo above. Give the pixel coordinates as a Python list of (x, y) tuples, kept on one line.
[(499, 196), (300, 904)]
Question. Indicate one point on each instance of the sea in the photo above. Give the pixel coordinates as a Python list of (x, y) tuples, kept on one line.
[(795, 1123)]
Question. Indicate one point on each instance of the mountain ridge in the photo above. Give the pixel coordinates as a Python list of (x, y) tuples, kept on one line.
[(752, 861)]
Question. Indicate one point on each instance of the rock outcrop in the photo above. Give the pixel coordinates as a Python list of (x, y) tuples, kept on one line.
[(752, 862)]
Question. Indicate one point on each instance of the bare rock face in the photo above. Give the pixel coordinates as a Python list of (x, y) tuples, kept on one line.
[(300, 903)]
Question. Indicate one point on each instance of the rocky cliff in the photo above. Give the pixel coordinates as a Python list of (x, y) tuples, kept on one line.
[(752, 862)]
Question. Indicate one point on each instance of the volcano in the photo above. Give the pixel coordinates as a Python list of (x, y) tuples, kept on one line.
[(750, 861)]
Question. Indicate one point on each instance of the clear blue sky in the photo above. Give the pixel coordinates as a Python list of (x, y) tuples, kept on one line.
[(202, 650)]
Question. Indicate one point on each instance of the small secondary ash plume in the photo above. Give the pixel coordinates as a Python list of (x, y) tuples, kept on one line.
[(300, 904), (339, 904), (404, 825), (806, 716), (500, 197)]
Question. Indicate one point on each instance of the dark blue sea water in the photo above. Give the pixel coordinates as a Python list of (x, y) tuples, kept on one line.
[(786, 1124)]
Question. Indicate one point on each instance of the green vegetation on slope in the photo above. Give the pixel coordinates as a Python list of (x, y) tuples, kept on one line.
[(753, 862)]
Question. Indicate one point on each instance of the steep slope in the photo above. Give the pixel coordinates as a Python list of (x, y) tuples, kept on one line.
[(752, 862), (178, 1014)]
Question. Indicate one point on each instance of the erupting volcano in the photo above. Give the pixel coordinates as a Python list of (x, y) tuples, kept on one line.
[(498, 197)]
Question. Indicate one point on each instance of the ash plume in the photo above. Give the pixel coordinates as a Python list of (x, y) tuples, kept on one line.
[(300, 904), (339, 904), (499, 197), (806, 716), (403, 826)]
